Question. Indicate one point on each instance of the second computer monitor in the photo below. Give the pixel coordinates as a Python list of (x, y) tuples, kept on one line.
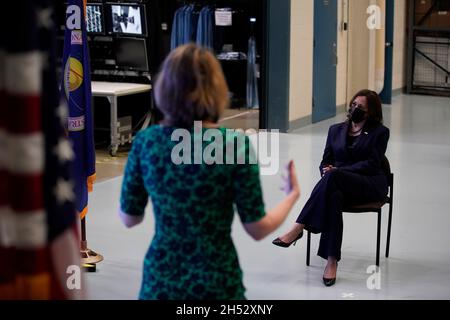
[(131, 54), (128, 19)]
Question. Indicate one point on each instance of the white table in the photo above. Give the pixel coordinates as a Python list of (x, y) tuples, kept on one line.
[(111, 91)]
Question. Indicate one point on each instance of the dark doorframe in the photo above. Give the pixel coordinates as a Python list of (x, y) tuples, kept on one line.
[(386, 94), (275, 110)]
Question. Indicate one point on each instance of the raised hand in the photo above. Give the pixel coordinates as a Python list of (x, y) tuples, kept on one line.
[(290, 182)]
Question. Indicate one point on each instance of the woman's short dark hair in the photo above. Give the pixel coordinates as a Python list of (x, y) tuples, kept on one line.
[(373, 103), (191, 87)]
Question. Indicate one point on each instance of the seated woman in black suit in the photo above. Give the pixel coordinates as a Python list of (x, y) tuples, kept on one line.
[(352, 174)]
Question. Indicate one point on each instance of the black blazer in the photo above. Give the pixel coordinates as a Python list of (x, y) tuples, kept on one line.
[(367, 155)]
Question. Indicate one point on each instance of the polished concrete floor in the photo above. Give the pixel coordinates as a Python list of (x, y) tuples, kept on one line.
[(419, 265), (110, 167)]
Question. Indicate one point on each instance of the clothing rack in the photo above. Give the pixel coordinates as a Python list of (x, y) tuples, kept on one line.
[(213, 4), (234, 44)]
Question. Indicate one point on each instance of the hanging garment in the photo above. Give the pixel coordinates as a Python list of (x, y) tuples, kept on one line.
[(184, 27), (252, 76), (205, 28), (191, 24), (174, 40)]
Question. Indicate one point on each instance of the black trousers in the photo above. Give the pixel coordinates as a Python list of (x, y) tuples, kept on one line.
[(322, 213)]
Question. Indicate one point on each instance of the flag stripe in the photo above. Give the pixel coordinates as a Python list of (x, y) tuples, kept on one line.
[(23, 73), (29, 287), (2, 74), (24, 230), (33, 261), (23, 193), (3, 188), (22, 149), (26, 110), (8, 269)]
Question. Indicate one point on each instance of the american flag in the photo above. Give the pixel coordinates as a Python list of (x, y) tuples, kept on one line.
[(39, 242)]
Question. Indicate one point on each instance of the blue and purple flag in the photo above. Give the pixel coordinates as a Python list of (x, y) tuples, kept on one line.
[(76, 90)]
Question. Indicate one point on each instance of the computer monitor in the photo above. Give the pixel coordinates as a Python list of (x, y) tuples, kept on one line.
[(131, 54), (94, 19), (128, 19)]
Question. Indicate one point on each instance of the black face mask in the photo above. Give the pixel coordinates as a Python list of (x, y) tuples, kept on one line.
[(357, 116)]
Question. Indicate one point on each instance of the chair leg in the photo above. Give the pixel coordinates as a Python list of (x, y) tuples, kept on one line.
[(308, 248), (388, 241), (378, 238)]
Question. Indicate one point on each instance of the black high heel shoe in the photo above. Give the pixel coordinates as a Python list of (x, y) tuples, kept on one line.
[(278, 242), (329, 282)]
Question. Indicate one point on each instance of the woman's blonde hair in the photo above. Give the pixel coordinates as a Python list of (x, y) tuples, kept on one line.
[(191, 87)]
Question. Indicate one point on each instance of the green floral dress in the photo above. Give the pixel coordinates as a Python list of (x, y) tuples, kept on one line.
[(192, 255)]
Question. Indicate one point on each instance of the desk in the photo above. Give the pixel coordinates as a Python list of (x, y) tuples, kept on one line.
[(111, 91)]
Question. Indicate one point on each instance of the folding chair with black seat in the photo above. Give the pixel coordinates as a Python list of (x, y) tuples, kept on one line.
[(371, 207)]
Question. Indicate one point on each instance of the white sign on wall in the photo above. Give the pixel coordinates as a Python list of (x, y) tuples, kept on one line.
[(224, 18)]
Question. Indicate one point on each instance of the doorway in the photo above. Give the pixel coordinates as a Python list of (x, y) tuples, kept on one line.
[(370, 50), (325, 60)]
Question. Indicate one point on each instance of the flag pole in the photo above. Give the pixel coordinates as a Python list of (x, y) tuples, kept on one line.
[(89, 258)]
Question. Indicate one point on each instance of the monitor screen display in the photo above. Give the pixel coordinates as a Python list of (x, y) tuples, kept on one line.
[(131, 53), (128, 19), (94, 18)]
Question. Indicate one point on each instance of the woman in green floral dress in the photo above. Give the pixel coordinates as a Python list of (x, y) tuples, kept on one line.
[(192, 255)]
